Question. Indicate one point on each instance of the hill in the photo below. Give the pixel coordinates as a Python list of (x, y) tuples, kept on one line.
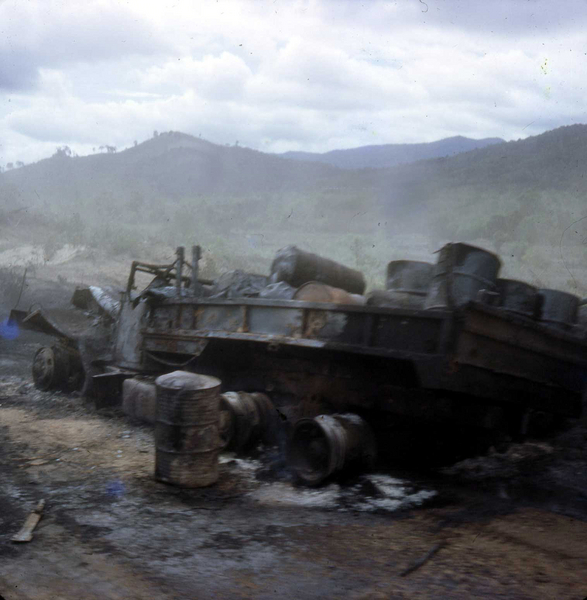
[(172, 165), (390, 155), (518, 198)]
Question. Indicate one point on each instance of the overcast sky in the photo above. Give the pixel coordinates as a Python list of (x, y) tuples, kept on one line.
[(280, 75)]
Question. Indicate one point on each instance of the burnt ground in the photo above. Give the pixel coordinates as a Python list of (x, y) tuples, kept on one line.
[(511, 524)]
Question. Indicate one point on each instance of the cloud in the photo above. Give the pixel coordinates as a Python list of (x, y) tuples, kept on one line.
[(48, 34), (217, 78), (307, 74)]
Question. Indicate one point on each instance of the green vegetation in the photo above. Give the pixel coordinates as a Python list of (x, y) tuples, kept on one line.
[(518, 199)]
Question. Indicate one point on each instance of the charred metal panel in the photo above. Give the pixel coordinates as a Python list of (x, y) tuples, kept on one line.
[(503, 357), (174, 344), (486, 353), (277, 321), (413, 334), (356, 328), (221, 317), (127, 345), (494, 324), (186, 317), (501, 388), (162, 317), (427, 406), (328, 326)]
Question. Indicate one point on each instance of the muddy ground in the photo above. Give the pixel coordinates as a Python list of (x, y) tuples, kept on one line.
[(512, 524)]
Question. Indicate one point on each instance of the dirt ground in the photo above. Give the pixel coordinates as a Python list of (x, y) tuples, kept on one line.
[(511, 525)]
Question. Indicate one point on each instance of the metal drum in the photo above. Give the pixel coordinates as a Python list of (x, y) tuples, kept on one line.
[(186, 432), (407, 285), (582, 315), (460, 273), (558, 309), (518, 297), (244, 419), (326, 444), (296, 267), (139, 399), (320, 292), (278, 291)]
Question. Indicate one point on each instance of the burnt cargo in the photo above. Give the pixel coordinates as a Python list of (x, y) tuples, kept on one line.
[(320, 292), (518, 297), (558, 309), (327, 444), (245, 419), (296, 267), (460, 273), (407, 285), (187, 440)]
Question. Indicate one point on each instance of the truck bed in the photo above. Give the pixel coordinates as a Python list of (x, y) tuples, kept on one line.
[(478, 353)]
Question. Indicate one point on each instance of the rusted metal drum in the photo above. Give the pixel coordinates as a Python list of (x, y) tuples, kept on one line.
[(407, 285), (320, 292), (326, 444), (409, 276), (139, 399), (558, 309), (186, 432), (518, 297), (582, 315), (244, 418), (57, 368), (296, 267), (460, 273)]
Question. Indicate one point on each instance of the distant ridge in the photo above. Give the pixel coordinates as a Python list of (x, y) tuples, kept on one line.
[(390, 155), (533, 188)]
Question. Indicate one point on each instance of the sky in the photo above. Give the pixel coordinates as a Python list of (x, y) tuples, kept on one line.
[(276, 75)]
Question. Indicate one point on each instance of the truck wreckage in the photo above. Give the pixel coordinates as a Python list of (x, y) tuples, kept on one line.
[(339, 373)]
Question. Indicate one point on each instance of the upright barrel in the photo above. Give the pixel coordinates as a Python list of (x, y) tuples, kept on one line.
[(186, 432), (582, 314), (296, 267), (518, 297), (407, 285), (558, 309), (460, 273)]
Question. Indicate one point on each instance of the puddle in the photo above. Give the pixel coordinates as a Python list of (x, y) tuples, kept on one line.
[(285, 494), (369, 493)]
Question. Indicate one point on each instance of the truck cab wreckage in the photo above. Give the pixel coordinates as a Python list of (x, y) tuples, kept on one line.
[(446, 347)]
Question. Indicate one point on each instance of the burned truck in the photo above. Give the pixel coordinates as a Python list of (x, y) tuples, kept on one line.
[(448, 351)]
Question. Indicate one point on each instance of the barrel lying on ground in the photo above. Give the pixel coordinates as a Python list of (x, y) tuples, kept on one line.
[(186, 433), (244, 419), (139, 399), (326, 444)]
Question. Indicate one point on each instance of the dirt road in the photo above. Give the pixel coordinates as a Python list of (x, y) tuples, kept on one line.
[(110, 531)]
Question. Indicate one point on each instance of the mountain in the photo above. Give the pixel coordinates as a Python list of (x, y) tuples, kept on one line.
[(177, 188), (172, 165), (389, 155)]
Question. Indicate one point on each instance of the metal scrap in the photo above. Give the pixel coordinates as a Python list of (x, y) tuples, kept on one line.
[(26, 532)]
